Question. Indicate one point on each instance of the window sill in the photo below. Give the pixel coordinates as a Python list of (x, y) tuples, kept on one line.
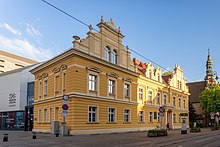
[(141, 122), (111, 122), (92, 122), (126, 122)]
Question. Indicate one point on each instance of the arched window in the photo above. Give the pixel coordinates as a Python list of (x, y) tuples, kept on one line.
[(107, 54), (114, 57), (158, 75)]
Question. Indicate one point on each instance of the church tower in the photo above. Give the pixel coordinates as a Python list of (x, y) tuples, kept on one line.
[(209, 74)]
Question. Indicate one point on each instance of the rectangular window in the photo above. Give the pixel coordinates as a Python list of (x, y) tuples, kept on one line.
[(92, 82), (140, 94), (141, 116), (174, 101), (150, 96), (45, 87), (56, 113), (165, 99), (158, 98), (155, 115), (111, 115), (180, 120), (179, 103), (184, 104), (126, 115), (39, 115), (150, 117), (64, 82), (158, 118), (45, 115), (126, 90), (50, 114), (57, 84), (40, 89), (92, 114), (111, 87), (174, 118)]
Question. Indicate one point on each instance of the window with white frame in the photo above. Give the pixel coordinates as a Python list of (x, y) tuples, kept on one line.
[(164, 99), (174, 101), (127, 90), (141, 116), (111, 115), (92, 82), (174, 118), (107, 54), (64, 82), (155, 115), (45, 115), (57, 85), (149, 95), (92, 114), (150, 116), (158, 98), (126, 115), (179, 102), (111, 87), (158, 118), (56, 113), (140, 93), (184, 103), (39, 115), (114, 57), (39, 90), (45, 87)]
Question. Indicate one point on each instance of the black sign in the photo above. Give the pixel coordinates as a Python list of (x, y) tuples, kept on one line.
[(12, 100)]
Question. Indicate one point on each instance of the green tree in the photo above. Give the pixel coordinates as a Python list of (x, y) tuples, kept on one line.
[(206, 99)]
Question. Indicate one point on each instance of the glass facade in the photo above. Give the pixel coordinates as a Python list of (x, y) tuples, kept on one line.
[(12, 120)]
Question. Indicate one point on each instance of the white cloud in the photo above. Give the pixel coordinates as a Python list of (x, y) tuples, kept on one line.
[(31, 30), (25, 48), (11, 29)]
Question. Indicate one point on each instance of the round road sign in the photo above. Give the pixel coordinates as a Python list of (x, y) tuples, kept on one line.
[(65, 107)]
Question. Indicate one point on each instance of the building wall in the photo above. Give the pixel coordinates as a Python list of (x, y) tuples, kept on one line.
[(10, 61)]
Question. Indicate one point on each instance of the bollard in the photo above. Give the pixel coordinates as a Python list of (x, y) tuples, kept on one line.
[(34, 135), (5, 138), (57, 134)]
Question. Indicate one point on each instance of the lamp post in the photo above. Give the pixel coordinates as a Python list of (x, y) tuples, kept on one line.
[(214, 75)]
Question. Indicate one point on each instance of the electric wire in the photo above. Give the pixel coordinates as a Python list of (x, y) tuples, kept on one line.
[(85, 24)]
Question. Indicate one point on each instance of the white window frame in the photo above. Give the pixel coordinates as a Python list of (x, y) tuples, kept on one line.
[(174, 101), (110, 113), (111, 87), (96, 112), (63, 82), (150, 95), (39, 115), (165, 99), (174, 117), (128, 91), (114, 57), (56, 87), (107, 54), (39, 89), (45, 87), (150, 117), (140, 93), (141, 116), (127, 114)]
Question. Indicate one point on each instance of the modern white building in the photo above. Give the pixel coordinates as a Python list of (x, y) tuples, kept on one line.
[(16, 93)]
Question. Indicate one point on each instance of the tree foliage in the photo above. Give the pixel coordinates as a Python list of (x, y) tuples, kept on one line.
[(192, 113), (206, 99)]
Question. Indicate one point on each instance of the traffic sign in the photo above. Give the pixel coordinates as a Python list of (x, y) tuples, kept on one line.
[(65, 97), (65, 102), (64, 113), (161, 114), (65, 107), (161, 109)]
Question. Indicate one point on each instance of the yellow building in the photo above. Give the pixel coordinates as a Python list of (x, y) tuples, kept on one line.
[(102, 84)]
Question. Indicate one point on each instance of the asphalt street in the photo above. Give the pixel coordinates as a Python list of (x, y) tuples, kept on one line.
[(205, 138)]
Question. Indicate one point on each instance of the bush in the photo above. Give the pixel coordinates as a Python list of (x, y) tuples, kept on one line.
[(195, 129), (191, 124), (199, 125), (154, 133)]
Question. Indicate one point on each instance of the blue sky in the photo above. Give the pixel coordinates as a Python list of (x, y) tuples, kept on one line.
[(168, 32)]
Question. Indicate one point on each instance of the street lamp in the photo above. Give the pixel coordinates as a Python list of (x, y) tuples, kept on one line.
[(214, 75)]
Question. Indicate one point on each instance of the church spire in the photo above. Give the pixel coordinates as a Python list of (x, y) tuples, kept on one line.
[(208, 67)]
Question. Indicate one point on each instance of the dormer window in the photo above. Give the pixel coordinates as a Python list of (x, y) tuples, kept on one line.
[(107, 54), (114, 57)]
